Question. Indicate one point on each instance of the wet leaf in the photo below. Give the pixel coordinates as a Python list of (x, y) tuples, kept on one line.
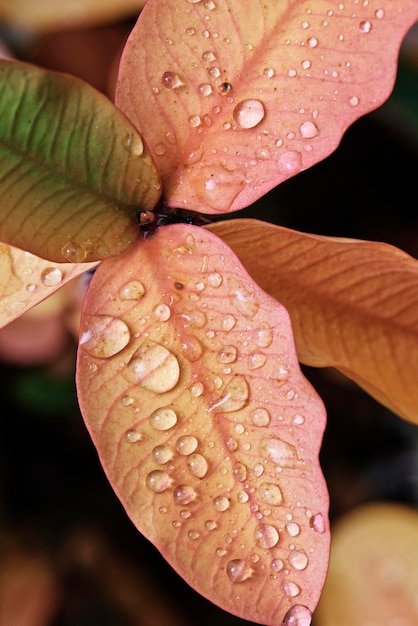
[(26, 280), (353, 304), (232, 102), (207, 430), (373, 578), (73, 169), (51, 15)]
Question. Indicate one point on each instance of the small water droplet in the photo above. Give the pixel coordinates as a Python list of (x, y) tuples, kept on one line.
[(215, 279), (277, 450), (308, 130), (195, 121), (132, 142), (31, 287), (231, 444), (192, 348), (153, 367), (243, 497), (290, 588), (234, 397), (214, 72), (160, 149), (133, 436), (240, 473), (184, 494), (312, 42), (260, 417), (238, 570), (379, 14), (277, 565), (228, 322), (105, 336), (193, 535), (290, 162), (365, 26), (162, 454), (221, 503), (158, 481), (306, 64), (163, 418), (256, 360), (73, 252), (208, 56), (186, 445), (258, 470), (269, 72), (171, 80), (263, 337), (293, 529), (210, 524), (317, 522), (298, 559), (51, 276), (196, 389), (354, 101), (227, 354), (205, 89), (197, 465), (297, 615), (271, 494), (195, 318), (161, 312), (132, 290), (249, 113), (299, 420), (266, 536)]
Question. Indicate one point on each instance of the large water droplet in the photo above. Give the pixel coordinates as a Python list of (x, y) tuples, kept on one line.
[(298, 615), (186, 445), (234, 397), (238, 570), (249, 113), (277, 450), (158, 481), (132, 290), (153, 367), (260, 417), (221, 503), (184, 494), (105, 336), (271, 494), (197, 465), (266, 536), (163, 418), (51, 276), (298, 559)]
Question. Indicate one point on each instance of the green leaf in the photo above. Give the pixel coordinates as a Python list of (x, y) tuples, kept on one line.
[(190, 387), (73, 169)]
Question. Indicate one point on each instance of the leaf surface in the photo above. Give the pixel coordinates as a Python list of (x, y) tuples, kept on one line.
[(353, 304), (235, 98), (73, 169), (191, 390), (26, 280)]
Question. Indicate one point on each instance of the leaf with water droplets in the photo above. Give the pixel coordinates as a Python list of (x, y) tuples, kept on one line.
[(190, 387), (232, 102), (26, 280), (74, 170), (353, 304)]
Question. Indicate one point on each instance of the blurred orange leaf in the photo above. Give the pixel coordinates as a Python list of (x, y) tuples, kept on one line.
[(191, 390), (232, 101), (353, 304)]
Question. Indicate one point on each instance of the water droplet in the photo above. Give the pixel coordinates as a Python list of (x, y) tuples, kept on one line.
[(228, 322), (160, 149), (249, 113), (214, 72), (354, 101), (277, 450), (133, 143), (186, 445), (277, 565), (210, 5), (290, 588), (153, 367), (365, 27), (171, 80), (269, 72), (293, 529), (298, 559), (196, 389), (73, 252), (312, 42), (299, 420), (221, 503), (195, 121), (243, 497), (256, 360), (105, 336), (163, 418), (127, 400), (158, 481), (193, 535), (192, 348), (30, 288), (195, 319), (260, 417), (197, 465), (227, 354), (133, 436), (317, 522), (161, 312), (210, 524), (234, 397), (214, 279), (308, 130), (132, 290), (266, 536), (271, 494), (258, 470), (290, 162), (240, 473), (184, 494), (220, 552), (306, 64), (238, 571), (263, 337), (205, 89), (51, 276), (162, 454), (379, 14), (298, 615)]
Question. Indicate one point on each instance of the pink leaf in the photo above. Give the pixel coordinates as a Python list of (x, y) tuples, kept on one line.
[(233, 99), (190, 387)]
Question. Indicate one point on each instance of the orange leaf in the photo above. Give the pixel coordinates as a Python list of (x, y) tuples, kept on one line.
[(25, 280), (353, 304), (191, 390), (234, 100)]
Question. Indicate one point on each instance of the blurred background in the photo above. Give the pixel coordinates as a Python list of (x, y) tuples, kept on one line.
[(69, 556)]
